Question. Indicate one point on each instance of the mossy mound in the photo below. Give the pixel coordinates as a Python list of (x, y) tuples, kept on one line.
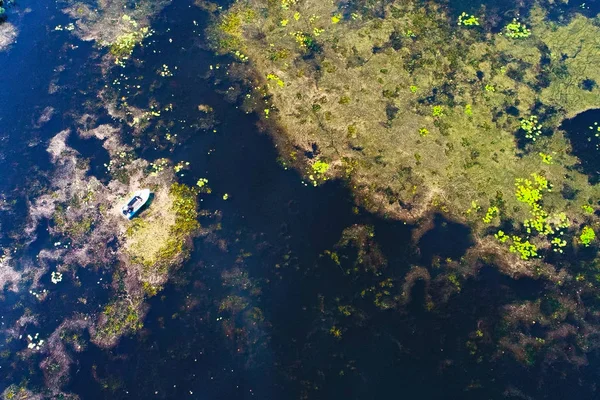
[(159, 238)]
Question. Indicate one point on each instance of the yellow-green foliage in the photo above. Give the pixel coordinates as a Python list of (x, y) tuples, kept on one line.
[(229, 30), (501, 236), (587, 208), (524, 249), (276, 79), (467, 20), (320, 167), (531, 127), (14, 392), (546, 158), (516, 30), (587, 235), (491, 213), (530, 192)]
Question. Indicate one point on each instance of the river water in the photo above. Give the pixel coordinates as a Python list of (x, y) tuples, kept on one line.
[(276, 230)]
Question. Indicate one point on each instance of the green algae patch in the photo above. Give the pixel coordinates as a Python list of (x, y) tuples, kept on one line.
[(430, 116)]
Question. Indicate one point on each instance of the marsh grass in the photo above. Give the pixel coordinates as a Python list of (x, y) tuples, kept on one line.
[(369, 83)]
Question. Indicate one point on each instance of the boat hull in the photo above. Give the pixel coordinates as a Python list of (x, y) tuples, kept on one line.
[(135, 203)]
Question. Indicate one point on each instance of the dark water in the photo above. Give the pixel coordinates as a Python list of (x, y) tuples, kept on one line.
[(582, 130), (276, 229)]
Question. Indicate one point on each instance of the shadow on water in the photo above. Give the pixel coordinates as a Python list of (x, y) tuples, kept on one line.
[(582, 131)]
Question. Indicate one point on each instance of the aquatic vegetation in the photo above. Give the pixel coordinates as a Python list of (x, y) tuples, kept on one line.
[(437, 111), (531, 127), (231, 24), (453, 279), (185, 207), (524, 249), (516, 30), (165, 71), (558, 244), (8, 34), (123, 46), (276, 79), (34, 342), (469, 110), (468, 159), (158, 166), (467, 20), (587, 235), (475, 208), (56, 277), (531, 192), (587, 208), (286, 4), (181, 165), (305, 41), (320, 167), (336, 332), (483, 155), (490, 214), (162, 239), (233, 304), (546, 158)]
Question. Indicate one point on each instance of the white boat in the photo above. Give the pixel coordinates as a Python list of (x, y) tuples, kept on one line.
[(137, 201)]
